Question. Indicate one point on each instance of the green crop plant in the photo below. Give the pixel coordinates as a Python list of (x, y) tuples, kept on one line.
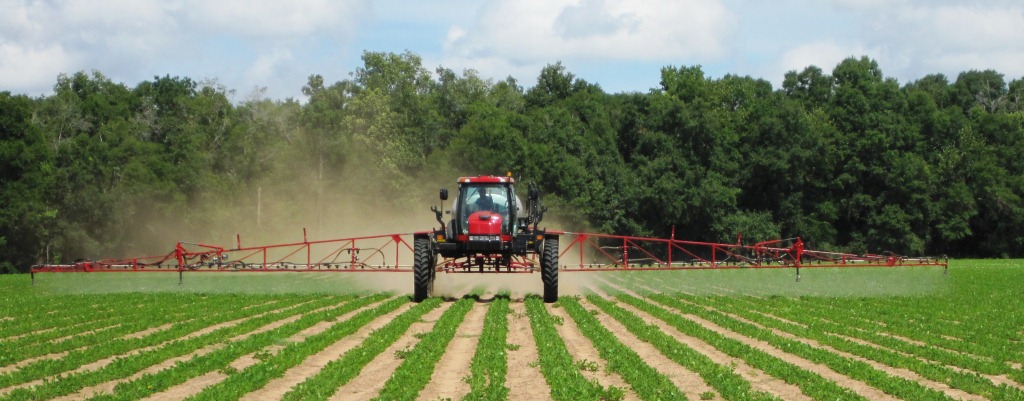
[(418, 365), (339, 371), (490, 363), (809, 383), (722, 378), (557, 365), (218, 359), (647, 383)]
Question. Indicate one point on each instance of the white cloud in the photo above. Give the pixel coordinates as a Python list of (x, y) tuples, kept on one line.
[(913, 38), (245, 44), (32, 70), (268, 65), (134, 40), (276, 20), (921, 39), (515, 35), (824, 54)]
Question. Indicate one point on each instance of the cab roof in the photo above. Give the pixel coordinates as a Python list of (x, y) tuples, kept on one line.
[(486, 179)]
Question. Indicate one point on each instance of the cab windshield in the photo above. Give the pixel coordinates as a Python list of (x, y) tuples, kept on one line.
[(484, 198)]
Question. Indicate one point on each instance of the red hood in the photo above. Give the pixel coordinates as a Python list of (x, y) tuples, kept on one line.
[(485, 223)]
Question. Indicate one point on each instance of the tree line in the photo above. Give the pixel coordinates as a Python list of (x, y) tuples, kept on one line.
[(848, 160)]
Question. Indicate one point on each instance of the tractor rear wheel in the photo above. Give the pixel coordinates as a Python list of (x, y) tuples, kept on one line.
[(549, 269), (423, 269)]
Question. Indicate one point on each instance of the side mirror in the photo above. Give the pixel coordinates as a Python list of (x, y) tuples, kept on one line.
[(444, 194)]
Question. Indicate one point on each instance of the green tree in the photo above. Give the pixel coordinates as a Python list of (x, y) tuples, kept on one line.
[(26, 174)]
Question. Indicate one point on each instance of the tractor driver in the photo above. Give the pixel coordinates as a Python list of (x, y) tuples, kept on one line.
[(484, 202)]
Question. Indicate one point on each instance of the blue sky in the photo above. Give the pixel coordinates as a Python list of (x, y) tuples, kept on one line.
[(620, 45)]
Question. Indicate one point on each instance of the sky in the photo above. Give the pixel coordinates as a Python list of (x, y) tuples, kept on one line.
[(262, 48)]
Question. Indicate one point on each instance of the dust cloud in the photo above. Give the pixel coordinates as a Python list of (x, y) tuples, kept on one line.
[(332, 199), (329, 200)]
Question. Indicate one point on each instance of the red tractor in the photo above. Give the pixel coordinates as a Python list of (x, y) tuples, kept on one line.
[(489, 230)]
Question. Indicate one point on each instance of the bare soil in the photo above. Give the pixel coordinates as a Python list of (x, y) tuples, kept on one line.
[(314, 363), (447, 381), (371, 379), (525, 380), (759, 380), (687, 381), (582, 350), (197, 384)]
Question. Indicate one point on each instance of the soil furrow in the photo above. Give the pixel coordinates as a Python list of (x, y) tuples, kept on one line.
[(758, 379), (689, 382), (109, 386), (525, 380), (446, 382), (312, 365), (371, 379), (197, 384), (582, 351)]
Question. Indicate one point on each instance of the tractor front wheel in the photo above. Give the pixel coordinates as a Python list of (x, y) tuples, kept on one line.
[(423, 269), (549, 269)]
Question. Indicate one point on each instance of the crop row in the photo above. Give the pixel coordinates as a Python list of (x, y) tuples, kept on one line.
[(156, 348), (273, 366), (903, 388), (336, 373), (75, 337), (925, 319), (809, 342), (490, 362), (557, 364), (888, 348), (85, 312), (724, 379), (218, 359), (838, 328), (972, 311), (418, 364), (81, 355), (647, 383)]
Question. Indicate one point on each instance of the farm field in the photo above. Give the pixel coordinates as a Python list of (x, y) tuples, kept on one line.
[(838, 334)]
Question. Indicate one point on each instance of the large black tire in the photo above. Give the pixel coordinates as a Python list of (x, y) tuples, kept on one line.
[(423, 269), (549, 269)]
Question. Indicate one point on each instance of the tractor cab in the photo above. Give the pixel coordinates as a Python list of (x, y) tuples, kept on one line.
[(487, 216), (485, 209), (488, 228)]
